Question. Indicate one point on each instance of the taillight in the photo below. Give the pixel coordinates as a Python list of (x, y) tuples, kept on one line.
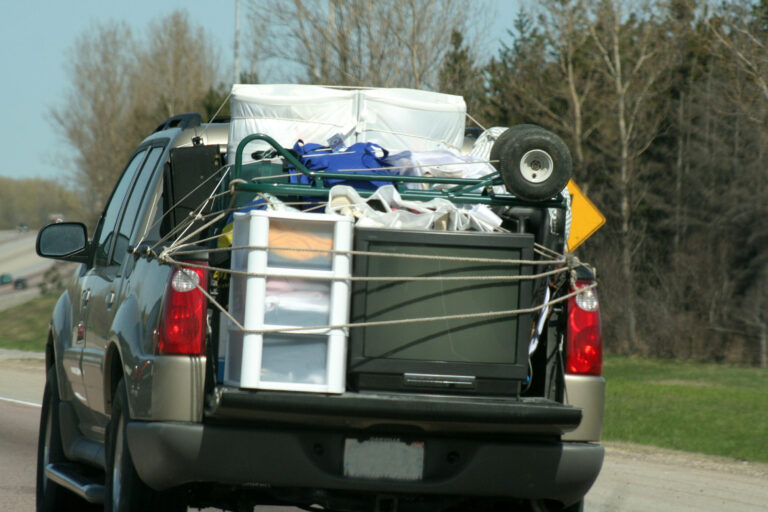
[(585, 343), (182, 326)]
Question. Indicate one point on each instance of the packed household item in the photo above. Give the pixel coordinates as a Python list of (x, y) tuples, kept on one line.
[(289, 286), (361, 156), (392, 211), (441, 163), (397, 119)]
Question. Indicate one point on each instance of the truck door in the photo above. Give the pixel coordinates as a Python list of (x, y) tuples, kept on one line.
[(100, 283), (71, 358)]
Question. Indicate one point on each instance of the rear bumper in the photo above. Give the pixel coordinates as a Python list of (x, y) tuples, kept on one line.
[(588, 394), (171, 454), (472, 446)]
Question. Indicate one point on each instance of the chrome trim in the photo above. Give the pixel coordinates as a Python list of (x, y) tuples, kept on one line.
[(439, 381), (90, 492)]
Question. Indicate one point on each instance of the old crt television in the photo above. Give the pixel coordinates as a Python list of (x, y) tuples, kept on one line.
[(484, 356)]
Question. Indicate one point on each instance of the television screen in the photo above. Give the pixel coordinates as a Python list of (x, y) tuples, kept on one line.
[(484, 347)]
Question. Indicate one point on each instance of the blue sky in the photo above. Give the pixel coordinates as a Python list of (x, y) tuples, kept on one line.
[(35, 40)]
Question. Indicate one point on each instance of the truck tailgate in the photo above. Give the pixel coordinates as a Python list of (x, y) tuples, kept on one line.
[(430, 413)]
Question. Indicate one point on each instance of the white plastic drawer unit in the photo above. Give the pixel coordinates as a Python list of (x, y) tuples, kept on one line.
[(301, 281)]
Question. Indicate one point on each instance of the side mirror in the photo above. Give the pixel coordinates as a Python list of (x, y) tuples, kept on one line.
[(66, 241)]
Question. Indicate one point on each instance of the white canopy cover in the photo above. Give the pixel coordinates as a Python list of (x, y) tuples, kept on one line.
[(396, 119)]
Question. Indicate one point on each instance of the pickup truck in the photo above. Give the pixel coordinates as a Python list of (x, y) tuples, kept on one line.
[(147, 405)]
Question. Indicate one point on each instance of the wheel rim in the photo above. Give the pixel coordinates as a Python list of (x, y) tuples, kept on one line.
[(117, 466), (536, 166)]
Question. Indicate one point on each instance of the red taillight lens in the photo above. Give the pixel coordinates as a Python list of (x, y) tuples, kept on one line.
[(182, 326), (585, 342)]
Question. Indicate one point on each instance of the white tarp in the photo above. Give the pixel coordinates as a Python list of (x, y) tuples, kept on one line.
[(400, 119), (397, 119)]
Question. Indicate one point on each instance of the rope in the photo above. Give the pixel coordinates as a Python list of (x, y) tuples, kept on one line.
[(209, 123), (403, 134), (180, 226), (489, 314), (476, 122), (427, 257), (394, 167), (166, 257), (568, 263), (465, 316), (293, 120)]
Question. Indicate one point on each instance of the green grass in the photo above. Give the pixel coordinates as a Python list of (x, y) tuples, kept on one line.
[(25, 327), (705, 408)]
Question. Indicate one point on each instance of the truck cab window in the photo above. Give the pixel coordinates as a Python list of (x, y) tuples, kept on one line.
[(107, 225)]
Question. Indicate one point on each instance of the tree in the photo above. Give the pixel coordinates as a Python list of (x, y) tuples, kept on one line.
[(633, 54), (32, 201), (460, 74), (173, 73), (97, 107), (121, 88), (387, 43), (548, 75)]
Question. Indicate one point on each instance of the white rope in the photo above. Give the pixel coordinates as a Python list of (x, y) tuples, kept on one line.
[(476, 122), (396, 167), (166, 257), (427, 257), (403, 134), (225, 168), (293, 120), (210, 122), (198, 211), (568, 262), (465, 316)]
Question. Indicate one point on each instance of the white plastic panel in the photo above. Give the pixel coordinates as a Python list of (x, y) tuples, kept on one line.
[(293, 242), (297, 302), (282, 291), (295, 359)]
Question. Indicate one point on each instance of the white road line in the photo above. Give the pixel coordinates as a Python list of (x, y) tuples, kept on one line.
[(22, 402)]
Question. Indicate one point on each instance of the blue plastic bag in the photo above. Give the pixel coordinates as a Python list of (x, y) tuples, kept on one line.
[(361, 155)]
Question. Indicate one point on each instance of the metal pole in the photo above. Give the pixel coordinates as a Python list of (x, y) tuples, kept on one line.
[(236, 78)]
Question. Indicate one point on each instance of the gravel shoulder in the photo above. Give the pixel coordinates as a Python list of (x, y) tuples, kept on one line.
[(639, 478), (638, 452), (22, 375)]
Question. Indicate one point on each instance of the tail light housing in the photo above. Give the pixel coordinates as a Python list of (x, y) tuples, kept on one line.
[(182, 326), (584, 354)]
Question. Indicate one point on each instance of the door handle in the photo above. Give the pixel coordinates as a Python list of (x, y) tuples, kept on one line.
[(110, 299), (86, 297)]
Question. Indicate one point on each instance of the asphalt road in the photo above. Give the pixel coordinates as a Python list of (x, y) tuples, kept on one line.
[(18, 258), (633, 479)]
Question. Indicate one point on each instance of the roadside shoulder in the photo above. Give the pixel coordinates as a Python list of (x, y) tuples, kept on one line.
[(678, 458), (22, 359)]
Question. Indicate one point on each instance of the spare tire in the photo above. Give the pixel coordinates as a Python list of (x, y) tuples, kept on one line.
[(534, 163)]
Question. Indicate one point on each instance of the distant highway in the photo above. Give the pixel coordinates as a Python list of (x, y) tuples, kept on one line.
[(18, 258)]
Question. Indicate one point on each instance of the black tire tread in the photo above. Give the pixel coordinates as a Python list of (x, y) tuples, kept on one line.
[(53, 497), (509, 148), (137, 495)]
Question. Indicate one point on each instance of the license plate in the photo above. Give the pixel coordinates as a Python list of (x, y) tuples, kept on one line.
[(380, 458)]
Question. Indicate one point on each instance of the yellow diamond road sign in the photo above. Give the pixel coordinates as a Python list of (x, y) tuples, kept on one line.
[(585, 217)]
